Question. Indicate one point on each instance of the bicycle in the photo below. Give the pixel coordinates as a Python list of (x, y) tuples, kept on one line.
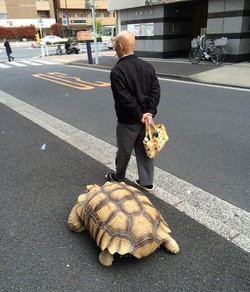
[(203, 48), (59, 50)]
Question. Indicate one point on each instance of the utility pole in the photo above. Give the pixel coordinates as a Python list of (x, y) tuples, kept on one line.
[(89, 4), (66, 8), (94, 30)]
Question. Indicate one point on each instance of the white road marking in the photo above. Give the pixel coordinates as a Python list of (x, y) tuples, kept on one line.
[(47, 62), (218, 215), (18, 64), (174, 80), (25, 63), (28, 62), (4, 66)]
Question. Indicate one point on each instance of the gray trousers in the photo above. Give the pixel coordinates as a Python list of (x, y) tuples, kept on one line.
[(130, 137)]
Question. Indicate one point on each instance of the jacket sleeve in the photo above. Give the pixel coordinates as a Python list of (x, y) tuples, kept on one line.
[(154, 95), (122, 95)]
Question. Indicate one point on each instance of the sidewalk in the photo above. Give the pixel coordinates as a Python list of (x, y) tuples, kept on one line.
[(228, 74)]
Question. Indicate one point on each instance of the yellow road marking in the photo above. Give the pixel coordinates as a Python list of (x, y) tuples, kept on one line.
[(64, 79)]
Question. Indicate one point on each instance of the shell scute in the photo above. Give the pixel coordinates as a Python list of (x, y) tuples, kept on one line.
[(107, 211), (131, 206), (145, 248), (121, 245), (141, 228), (118, 223)]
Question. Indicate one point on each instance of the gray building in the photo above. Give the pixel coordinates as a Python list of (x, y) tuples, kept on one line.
[(165, 28)]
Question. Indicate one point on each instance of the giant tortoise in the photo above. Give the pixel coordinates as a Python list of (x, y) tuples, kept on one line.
[(121, 220)]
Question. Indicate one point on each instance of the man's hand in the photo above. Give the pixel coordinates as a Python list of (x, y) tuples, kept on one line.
[(147, 117)]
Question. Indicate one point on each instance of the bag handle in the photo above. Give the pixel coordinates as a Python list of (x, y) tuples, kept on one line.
[(147, 129)]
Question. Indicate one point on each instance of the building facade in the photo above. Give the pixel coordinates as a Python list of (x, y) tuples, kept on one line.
[(75, 15), (165, 28), (16, 13)]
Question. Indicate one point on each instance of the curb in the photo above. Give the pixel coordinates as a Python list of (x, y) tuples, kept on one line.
[(162, 75)]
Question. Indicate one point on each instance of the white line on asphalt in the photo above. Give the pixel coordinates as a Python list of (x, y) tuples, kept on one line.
[(220, 216), (47, 62), (18, 64), (4, 66), (205, 84), (174, 80), (31, 63)]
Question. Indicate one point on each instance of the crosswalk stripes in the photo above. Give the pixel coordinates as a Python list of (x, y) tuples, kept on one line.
[(31, 63), (25, 63), (18, 64), (4, 66), (47, 62)]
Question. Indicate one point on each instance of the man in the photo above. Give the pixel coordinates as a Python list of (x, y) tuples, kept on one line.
[(8, 49), (136, 93)]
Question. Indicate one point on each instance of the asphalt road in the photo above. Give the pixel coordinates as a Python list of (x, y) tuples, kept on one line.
[(208, 127), (41, 186)]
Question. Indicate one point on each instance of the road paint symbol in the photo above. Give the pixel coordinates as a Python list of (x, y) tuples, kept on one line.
[(70, 81)]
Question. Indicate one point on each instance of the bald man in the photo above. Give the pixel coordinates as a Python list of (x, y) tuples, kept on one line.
[(136, 93)]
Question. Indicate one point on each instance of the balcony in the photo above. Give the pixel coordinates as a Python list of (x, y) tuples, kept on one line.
[(80, 4), (43, 6)]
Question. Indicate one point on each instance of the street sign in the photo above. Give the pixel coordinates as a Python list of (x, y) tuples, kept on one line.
[(64, 20)]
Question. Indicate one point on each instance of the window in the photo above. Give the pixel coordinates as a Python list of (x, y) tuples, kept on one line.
[(3, 16)]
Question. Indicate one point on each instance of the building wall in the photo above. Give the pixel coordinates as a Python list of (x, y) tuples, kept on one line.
[(231, 19), (172, 29), (15, 9), (121, 4)]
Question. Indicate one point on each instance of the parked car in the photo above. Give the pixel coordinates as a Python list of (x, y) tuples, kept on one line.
[(51, 39)]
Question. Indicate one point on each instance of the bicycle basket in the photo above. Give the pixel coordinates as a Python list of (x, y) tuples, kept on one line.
[(195, 43), (221, 42)]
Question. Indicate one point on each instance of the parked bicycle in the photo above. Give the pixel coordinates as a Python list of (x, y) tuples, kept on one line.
[(59, 50), (203, 48)]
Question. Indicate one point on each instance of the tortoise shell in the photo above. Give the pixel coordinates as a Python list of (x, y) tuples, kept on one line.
[(120, 219)]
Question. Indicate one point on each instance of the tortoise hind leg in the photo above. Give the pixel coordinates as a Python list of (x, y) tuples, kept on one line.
[(171, 245), (75, 223), (106, 258)]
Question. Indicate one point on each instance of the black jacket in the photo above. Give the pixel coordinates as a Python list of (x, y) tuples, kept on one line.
[(135, 88), (7, 47)]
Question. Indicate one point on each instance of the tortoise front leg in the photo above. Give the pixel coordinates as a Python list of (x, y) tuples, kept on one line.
[(75, 223), (171, 245), (106, 258)]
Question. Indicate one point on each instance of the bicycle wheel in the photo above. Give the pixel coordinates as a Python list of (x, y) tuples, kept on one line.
[(195, 55), (58, 51), (217, 55)]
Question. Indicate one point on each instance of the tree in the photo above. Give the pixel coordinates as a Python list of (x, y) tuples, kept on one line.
[(57, 29), (18, 33), (98, 26)]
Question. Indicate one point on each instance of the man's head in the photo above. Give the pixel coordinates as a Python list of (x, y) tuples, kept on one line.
[(124, 43)]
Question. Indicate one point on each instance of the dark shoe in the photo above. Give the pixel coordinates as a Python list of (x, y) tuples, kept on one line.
[(149, 188), (111, 177), (13, 58)]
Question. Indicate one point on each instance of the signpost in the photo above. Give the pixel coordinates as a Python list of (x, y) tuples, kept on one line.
[(92, 7), (40, 24)]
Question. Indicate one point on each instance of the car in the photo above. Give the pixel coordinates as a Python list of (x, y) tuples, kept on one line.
[(51, 39)]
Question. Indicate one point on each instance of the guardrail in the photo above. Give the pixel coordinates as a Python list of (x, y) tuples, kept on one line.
[(46, 49)]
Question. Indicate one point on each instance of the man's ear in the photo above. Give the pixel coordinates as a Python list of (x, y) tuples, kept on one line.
[(120, 46)]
